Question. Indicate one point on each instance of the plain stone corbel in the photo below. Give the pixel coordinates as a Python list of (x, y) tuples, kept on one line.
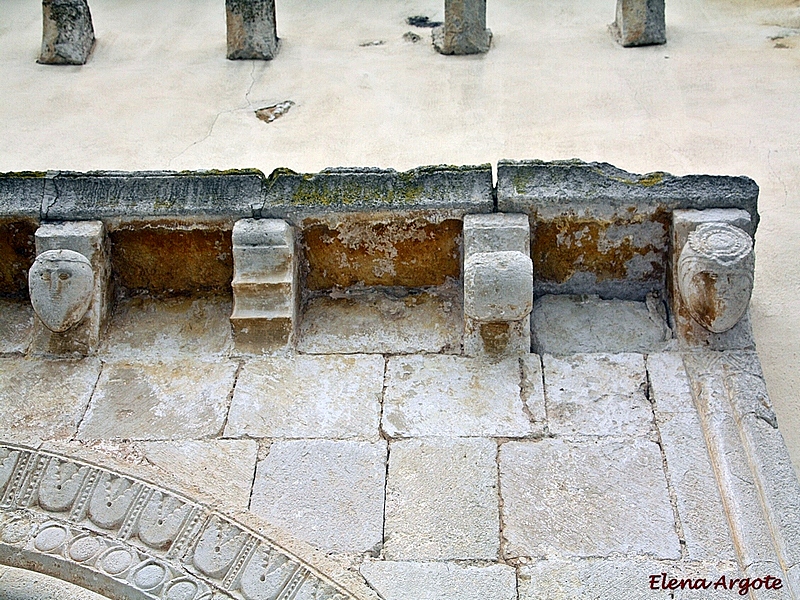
[(68, 34), (265, 286), (498, 285), (69, 285), (464, 30), (252, 32), (640, 23)]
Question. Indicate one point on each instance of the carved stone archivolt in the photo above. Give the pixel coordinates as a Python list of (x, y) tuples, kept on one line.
[(125, 538), (715, 275)]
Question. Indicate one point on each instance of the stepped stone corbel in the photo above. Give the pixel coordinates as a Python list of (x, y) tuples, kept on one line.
[(69, 287), (265, 287), (498, 285), (68, 34), (712, 270)]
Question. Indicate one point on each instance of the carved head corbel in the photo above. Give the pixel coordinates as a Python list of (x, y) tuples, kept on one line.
[(61, 284)]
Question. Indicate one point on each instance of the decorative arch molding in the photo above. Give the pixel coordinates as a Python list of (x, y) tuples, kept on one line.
[(127, 539)]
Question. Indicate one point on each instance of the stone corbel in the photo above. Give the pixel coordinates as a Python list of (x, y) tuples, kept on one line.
[(68, 34), (69, 287)]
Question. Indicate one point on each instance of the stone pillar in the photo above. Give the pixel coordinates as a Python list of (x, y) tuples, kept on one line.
[(640, 23), (464, 30), (265, 294), (69, 287), (712, 265), (498, 285), (68, 34), (251, 29)]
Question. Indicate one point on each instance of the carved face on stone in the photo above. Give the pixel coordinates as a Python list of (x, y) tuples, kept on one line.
[(715, 275), (61, 284)]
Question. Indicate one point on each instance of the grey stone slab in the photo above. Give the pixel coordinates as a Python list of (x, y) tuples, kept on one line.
[(640, 23), (21, 194), (496, 232), (251, 29), (569, 324), (328, 493), (455, 190), (68, 34), (622, 579), (168, 327), (44, 399), (464, 30), (702, 515), (131, 196), (375, 322), (21, 584), (600, 190), (587, 499), (597, 394), (16, 326), (440, 580), (159, 400), (438, 395), (308, 397), (441, 500)]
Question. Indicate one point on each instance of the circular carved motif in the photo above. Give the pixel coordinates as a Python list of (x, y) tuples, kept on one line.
[(16, 531), (50, 538), (116, 561), (84, 548), (181, 589), (721, 243), (149, 576)]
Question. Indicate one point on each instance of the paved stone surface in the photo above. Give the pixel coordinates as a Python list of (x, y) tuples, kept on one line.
[(567, 324), (16, 326), (308, 397), (44, 399), (593, 498), (154, 328), (327, 493), (597, 394), (440, 581), (439, 395), (441, 500), (379, 323), (691, 475), (159, 400), (619, 579)]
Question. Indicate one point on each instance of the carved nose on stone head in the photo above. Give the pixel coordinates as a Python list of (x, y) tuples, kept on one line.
[(715, 275), (61, 283)]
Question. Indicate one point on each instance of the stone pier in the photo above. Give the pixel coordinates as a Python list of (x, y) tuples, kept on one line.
[(464, 30), (640, 23), (251, 29), (68, 34)]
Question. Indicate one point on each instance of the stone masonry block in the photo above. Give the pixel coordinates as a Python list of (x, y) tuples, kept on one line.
[(68, 35), (597, 394), (441, 500), (498, 286), (327, 493), (70, 288), (336, 397), (251, 29), (440, 581), (464, 30), (586, 499), (265, 287), (640, 23), (496, 232)]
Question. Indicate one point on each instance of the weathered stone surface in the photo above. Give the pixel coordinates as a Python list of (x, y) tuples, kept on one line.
[(600, 230), (251, 29), (16, 326), (619, 579), (448, 190), (17, 253), (689, 470), (640, 23), (308, 397), (498, 286), (440, 581), (329, 493), (439, 395), (692, 321), (142, 195), (388, 250), (159, 400), (172, 258), (441, 500), (597, 394), (165, 327), (464, 30), (44, 399), (21, 584), (375, 321), (496, 232), (593, 498), (68, 34), (61, 283), (576, 324)]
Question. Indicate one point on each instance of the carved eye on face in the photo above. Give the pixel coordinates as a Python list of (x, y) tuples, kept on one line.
[(46, 276), (63, 276)]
